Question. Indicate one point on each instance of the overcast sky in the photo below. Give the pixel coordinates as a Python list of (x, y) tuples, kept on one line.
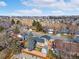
[(39, 7)]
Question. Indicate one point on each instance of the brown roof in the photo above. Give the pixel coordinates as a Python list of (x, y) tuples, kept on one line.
[(69, 46)]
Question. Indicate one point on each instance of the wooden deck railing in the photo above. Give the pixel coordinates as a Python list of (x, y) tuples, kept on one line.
[(35, 53), (9, 55)]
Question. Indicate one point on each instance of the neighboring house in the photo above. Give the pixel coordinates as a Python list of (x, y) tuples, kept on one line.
[(66, 49), (64, 31), (76, 39), (50, 31), (76, 32)]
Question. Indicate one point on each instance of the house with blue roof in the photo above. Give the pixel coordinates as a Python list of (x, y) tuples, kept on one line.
[(76, 39)]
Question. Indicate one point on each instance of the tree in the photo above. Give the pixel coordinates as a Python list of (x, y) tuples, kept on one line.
[(30, 36), (18, 22), (37, 25), (17, 30), (50, 54), (15, 46), (34, 23), (77, 24), (11, 46), (75, 56), (1, 48), (1, 28), (12, 21)]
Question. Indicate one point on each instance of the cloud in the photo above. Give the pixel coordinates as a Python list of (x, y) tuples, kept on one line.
[(73, 4), (32, 12), (44, 2), (2, 4), (47, 7), (59, 4), (57, 13), (41, 3), (38, 12)]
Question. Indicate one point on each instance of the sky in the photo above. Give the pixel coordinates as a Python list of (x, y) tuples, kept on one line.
[(39, 7)]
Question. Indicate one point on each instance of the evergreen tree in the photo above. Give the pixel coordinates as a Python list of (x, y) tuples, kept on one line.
[(30, 36), (1, 28), (12, 21), (18, 22), (38, 27), (34, 23)]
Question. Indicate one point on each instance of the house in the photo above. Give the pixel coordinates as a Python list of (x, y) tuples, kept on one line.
[(64, 31), (51, 31), (66, 49), (76, 39), (77, 33)]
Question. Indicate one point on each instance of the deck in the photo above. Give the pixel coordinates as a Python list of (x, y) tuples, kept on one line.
[(35, 53)]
